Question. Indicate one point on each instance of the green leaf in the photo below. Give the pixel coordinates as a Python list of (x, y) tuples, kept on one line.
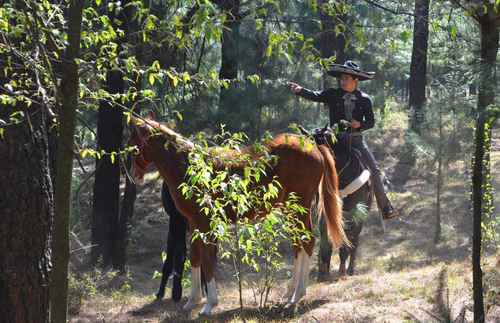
[(405, 36), (453, 32)]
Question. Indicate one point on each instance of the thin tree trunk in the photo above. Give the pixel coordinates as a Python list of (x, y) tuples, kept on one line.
[(67, 113), (418, 69), (437, 234), (228, 103), (330, 44), (477, 183), (106, 206), (486, 96)]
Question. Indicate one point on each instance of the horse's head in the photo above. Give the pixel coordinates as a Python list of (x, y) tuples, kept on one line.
[(140, 137)]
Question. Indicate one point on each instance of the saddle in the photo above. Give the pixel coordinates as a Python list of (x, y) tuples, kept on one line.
[(333, 138)]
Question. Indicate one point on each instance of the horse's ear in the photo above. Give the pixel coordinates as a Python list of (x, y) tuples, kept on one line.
[(151, 115)]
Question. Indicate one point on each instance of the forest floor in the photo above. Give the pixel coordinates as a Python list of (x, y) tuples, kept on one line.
[(402, 275)]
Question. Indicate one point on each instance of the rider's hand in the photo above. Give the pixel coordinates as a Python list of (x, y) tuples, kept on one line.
[(355, 124), (294, 87)]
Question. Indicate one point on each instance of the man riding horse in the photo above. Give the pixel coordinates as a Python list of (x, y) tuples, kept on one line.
[(349, 103)]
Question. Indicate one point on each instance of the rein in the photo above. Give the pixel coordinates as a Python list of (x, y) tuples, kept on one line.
[(349, 149), (140, 161)]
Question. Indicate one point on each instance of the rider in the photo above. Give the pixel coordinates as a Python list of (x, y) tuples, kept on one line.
[(349, 103)]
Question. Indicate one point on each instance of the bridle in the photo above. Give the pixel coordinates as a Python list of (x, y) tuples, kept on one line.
[(141, 162), (320, 137)]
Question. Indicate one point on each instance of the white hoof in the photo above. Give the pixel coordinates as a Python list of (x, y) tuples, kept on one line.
[(207, 309), (191, 303), (296, 297), (288, 295)]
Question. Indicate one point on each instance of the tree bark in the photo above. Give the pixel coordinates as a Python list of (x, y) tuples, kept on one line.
[(439, 184), (229, 107), (330, 44), (67, 116), (26, 208), (106, 206), (486, 96), (418, 69)]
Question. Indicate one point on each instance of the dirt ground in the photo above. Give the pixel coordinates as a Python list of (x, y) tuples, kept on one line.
[(403, 276)]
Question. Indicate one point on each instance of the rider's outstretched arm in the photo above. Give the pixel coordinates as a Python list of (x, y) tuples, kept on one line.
[(316, 96)]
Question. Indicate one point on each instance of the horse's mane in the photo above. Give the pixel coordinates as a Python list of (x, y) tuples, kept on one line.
[(239, 158), (180, 142), (235, 158)]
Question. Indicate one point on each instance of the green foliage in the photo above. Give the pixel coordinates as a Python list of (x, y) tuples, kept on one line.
[(81, 287), (359, 213), (491, 221), (229, 193), (84, 286), (492, 286)]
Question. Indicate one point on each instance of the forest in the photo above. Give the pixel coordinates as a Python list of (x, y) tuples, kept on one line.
[(218, 161)]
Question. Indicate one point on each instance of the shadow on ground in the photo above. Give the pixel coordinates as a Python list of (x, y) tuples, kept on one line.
[(168, 311)]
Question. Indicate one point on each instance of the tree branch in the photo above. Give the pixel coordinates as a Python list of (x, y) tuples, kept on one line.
[(395, 12)]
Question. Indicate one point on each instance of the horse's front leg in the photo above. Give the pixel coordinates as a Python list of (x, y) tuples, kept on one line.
[(195, 296), (166, 271), (179, 260), (343, 254), (352, 252), (168, 265)]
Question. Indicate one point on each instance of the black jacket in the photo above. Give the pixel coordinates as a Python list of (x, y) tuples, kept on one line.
[(334, 99)]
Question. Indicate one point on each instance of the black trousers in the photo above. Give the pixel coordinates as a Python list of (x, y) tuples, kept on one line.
[(359, 143)]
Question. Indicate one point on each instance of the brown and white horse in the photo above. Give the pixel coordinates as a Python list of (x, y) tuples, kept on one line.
[(300, 170)]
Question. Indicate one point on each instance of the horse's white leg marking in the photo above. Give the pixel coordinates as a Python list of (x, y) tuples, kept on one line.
[(211, 298), (307, 270), (302, 271), (195, 296), (293, 280)]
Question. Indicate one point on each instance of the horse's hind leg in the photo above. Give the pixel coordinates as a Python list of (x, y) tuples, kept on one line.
[(302, 261), (209, 257), (293, 281), (195, 296)]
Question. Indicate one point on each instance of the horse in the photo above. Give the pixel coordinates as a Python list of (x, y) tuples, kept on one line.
[(298, 170), (357, 196), (356, 193)]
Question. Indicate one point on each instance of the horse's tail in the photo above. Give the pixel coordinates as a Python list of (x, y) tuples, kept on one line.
[(330, 203)]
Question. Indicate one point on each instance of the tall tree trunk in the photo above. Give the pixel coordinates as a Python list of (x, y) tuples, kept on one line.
[(330, 44), (486, 96), (119, 261), (67, 116), (26, 208), (439, 184), (418, 69), (106, 205), (229, 107)]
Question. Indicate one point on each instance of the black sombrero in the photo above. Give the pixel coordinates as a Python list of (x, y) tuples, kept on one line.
[(351, 68)]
